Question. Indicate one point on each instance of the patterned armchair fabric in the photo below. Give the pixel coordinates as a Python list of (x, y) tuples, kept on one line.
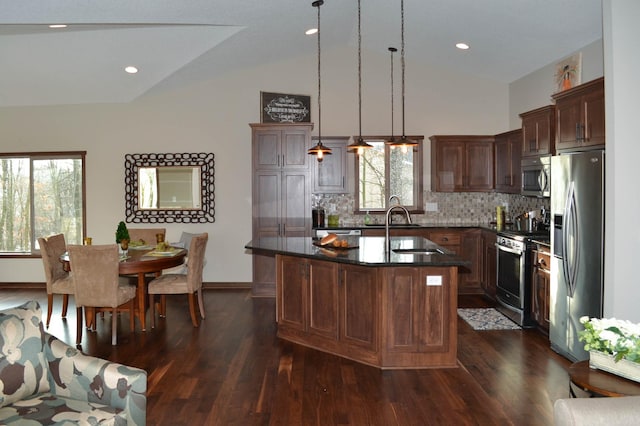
[(45, 381)]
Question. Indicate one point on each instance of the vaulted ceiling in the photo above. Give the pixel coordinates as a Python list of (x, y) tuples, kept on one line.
[(173, 42)]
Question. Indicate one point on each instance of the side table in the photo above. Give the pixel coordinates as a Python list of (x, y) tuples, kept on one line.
[(599, 383)]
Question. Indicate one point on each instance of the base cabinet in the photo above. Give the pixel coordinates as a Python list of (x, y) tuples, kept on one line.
[(388, 317), (540, 287), (489, 280)]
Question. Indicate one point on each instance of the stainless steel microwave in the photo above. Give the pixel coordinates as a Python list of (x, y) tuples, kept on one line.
[(536, 176)]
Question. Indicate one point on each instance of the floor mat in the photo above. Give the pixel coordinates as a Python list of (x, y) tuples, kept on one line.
[(486, 319)]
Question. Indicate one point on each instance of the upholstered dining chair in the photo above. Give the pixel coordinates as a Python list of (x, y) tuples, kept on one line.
[(189, 283), (57, 279), (97, 285), (148, 235)]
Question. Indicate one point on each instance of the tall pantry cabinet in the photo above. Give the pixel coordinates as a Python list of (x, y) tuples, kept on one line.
[(281, 190)]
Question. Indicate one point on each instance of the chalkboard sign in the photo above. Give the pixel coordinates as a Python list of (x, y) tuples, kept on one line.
[(283, 108)]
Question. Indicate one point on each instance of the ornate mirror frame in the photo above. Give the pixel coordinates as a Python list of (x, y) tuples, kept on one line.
[(134, 214)]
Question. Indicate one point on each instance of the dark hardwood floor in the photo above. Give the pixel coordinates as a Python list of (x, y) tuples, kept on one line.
[(233, 370)]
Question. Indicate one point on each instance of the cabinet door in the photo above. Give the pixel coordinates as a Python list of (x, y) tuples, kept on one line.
[(593, 104), (266, 203), (515, 144), (266, 149), (479, 166), (359, 306), (538, 131), (569, 120), (323, 299), (470, 279), (295, 204), (292, 294), (449, 168), (490, 266), (295, 143), (508, 148), (330, 174)]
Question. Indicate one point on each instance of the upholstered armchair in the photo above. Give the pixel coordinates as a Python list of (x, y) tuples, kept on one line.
[(45, 381), (57, 279)]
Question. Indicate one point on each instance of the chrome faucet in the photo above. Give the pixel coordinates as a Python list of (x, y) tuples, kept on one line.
[(387, 222), (395, 197)]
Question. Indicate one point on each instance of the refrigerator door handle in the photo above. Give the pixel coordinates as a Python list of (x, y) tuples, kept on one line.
[(570, 241)]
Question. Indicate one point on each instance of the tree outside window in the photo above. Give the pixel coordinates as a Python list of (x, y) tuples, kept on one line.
[(383, 171), (40, 195)]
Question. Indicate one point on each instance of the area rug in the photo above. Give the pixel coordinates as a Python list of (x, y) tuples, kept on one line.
[(486, 319)]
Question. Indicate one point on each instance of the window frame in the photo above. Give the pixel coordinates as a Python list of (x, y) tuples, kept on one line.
[(46, 155), (418, 168)]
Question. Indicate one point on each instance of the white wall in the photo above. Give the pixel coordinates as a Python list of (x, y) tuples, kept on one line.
[(622, 241), (213, 116), (535, 89)]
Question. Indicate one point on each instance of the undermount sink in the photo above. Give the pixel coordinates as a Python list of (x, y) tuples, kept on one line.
[(418, 250)]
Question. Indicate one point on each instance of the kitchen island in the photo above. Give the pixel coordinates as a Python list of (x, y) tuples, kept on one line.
[(386, 308)]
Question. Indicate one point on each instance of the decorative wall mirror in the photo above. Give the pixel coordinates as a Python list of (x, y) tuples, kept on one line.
[(169, 188)]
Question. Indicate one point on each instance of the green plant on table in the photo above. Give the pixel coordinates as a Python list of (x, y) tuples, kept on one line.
[(619, 338), (122, 233)]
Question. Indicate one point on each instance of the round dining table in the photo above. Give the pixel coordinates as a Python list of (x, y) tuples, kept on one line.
[(139, 262)]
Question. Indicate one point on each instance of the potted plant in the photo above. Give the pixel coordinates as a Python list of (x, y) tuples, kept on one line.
[(613, 345), (122, 235)]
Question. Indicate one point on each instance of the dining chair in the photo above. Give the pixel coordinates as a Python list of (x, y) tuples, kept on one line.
[(58, 281), (148, 235), (97, 285), (189, 283)]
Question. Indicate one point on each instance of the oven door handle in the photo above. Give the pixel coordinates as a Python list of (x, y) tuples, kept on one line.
[(509, 250)]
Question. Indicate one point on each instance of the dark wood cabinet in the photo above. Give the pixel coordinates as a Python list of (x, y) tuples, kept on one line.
[(490, 269), (580, 117), (280, 191), (508, 154), (470, 279), (330, 175), (540, 287), (462, 163), (538, 131)]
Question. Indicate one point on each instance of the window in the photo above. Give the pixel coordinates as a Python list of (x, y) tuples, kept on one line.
[(40, 194), (383, 171)]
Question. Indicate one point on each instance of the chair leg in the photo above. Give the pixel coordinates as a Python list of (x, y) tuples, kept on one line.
[(114, 326), (78, 325), (49, 307), (163, 306), (152, 310), (201, 302), (192, 309), (132, 314), (65, 304)]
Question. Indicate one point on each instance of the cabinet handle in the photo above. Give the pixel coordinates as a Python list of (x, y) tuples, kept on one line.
[(343, 185), (445, 239), (532, 146)]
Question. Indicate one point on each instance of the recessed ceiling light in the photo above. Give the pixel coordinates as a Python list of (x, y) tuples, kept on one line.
[(58, 26), (462, 46), (131, 69), (311, 31)]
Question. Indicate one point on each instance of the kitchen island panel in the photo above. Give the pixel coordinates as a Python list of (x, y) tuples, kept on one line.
[(360, 304)]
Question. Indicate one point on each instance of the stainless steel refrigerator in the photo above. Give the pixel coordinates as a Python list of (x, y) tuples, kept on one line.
[(577, 243)]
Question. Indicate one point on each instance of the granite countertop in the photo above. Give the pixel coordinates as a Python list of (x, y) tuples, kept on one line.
[(366, 251)]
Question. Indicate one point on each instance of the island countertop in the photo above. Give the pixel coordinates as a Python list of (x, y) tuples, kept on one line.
[(364, 251)]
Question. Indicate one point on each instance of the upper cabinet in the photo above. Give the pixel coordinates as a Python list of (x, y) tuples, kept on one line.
[(278, 146), (508, 150), (330, 175), (538, 131), (580, 117), (462, 163)]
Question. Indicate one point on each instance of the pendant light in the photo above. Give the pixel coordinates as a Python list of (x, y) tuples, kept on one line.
[(392, 139), (403, 143), (360, 145), (319, 150)]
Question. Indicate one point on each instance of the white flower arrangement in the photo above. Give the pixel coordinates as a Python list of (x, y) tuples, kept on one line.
[(619, 338)]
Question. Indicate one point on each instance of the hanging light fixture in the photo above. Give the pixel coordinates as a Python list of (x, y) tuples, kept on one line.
[(403, 143), (392, 139), (360, 145), (319, 150)]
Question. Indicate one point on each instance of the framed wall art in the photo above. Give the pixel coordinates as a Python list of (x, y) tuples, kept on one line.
[(284, 108), (568, 72)]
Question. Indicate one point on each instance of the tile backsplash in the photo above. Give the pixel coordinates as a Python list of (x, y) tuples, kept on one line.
[(450, 208)]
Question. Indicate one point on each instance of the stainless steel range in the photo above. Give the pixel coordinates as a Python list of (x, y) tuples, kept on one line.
[(514, 274)]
